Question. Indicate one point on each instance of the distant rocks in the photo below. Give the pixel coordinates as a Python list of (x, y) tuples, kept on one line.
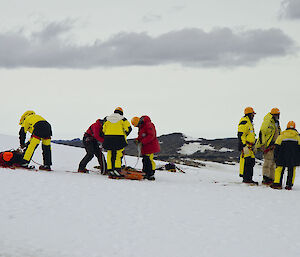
[(77, 142), (179, 148)]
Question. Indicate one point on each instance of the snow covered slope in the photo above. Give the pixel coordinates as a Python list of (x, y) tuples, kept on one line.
[(61, 214)]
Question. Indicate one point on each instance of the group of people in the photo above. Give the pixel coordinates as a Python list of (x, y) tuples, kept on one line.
[(281, 149), (110, 133)]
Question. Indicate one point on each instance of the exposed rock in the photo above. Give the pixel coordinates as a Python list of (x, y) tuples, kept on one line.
[(178, 148)]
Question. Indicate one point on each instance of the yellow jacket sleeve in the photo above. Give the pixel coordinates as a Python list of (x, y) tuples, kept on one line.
[(127, 127)]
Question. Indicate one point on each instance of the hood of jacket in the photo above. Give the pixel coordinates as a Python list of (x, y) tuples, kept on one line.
[(290, 133), (146, 119), (114, 118)]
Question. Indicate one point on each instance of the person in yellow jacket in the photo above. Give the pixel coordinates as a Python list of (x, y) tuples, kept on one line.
[(116, 128), (246, 138), (40, 130), (269, 132), (287, 154)]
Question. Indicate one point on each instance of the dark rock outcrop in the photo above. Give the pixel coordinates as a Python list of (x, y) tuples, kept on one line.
[(179, 148)]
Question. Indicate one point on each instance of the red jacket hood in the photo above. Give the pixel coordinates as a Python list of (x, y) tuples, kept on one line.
[(146, 119)]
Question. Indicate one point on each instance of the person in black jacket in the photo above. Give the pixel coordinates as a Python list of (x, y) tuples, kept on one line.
[(287, 155)]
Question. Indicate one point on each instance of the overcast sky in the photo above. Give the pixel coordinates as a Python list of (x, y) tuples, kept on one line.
[(192, 66)]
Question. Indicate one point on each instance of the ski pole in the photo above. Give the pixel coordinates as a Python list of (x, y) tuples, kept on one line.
[(124, 158), (139, 147), (36, 162), (180, 170)]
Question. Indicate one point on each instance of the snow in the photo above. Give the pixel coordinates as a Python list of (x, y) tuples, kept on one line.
[(189, 138), (63, 214), (224, 149), (191, 148)]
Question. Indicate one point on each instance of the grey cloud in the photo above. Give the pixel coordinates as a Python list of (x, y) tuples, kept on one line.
[(53, 30), (221, 47), (290, 9)]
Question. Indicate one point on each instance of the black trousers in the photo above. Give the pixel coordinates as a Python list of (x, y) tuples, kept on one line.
[(147, 166), (92, 149), (248, 169)]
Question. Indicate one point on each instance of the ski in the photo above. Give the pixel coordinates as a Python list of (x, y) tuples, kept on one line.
[(235, 183)]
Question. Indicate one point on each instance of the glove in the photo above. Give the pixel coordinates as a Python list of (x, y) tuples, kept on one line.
[(246, 150), (23, 146)]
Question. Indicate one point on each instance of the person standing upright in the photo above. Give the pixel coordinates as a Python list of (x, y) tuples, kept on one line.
[(246, 138), (116, 128), (287, 155), (269, 132), (149, 143)]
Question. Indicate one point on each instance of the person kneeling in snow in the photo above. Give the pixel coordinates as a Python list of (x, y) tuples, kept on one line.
[(287, 154), (91, 139), (40, 129), (149, 142)]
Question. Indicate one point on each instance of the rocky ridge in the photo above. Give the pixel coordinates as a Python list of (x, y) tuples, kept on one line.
[(179, 148)]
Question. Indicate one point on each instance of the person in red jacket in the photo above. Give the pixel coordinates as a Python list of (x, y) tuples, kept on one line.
[(149, 142), (91, 139)]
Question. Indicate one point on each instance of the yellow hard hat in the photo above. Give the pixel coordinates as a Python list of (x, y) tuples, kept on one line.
[(291, 124), (275, 111), (25, 115), (249, 110), (135, 121)]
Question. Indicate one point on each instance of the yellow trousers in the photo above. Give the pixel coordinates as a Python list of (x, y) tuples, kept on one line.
[(148, 164), (114, 159), (279, 171), (33, 144), (242, 160), (242, 164)]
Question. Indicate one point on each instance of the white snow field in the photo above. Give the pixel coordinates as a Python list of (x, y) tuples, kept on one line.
[(63, 214)]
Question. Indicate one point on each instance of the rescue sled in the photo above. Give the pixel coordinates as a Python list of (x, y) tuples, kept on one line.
[(130, 173)]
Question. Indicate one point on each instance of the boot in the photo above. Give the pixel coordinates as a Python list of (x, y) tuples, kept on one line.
[(267, 181), (114, 174), (84, 170), (117, 173), (276, 186), (149, 177), (287, 187), (250, 182), (45, 167), (25, 165)]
